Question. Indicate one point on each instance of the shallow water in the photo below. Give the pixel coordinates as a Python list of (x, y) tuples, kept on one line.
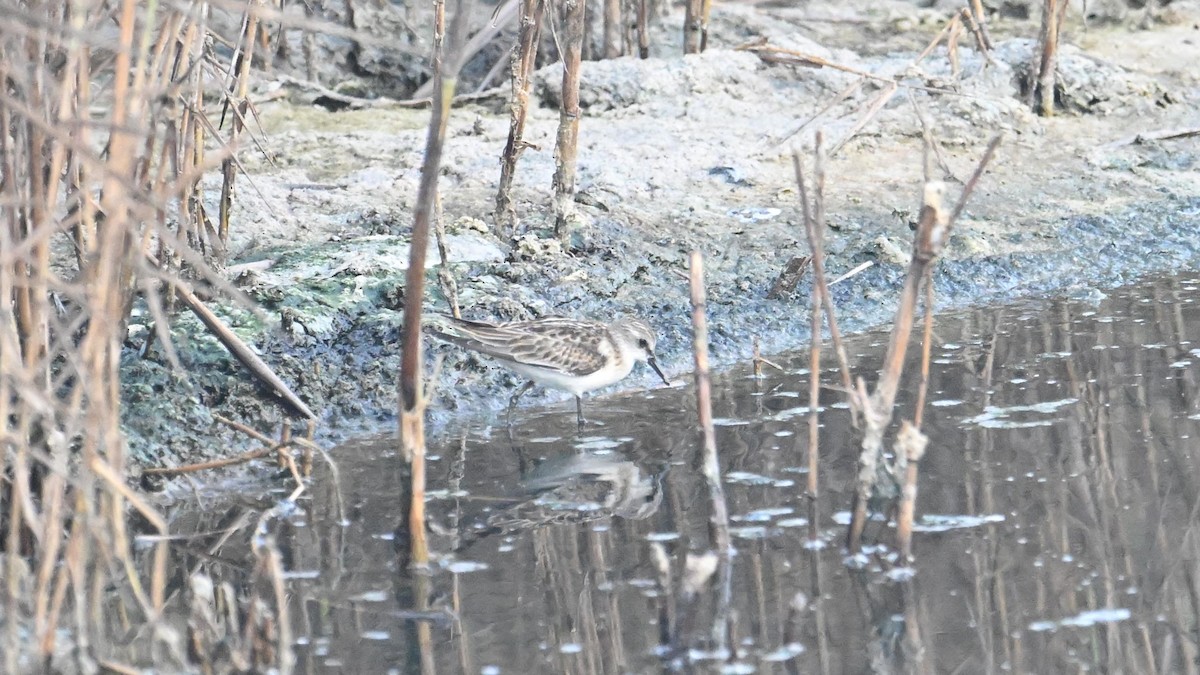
[(1057, 509)]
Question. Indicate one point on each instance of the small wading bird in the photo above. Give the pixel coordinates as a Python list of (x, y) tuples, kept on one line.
[(574, 356)]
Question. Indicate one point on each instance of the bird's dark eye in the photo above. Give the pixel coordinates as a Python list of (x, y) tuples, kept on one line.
[(643, 344)]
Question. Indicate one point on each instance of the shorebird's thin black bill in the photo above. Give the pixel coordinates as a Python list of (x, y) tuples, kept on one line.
[(654, 364)]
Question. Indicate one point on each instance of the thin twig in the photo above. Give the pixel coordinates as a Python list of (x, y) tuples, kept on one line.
[(719, 520)]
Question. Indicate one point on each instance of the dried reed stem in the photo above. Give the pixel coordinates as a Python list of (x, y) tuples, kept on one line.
[(1053, 13), (445, 276), (926, 352), (933, 232), (643, 29), (692, 25), (912, 443), (447, 61), (243, 353), (523, 61), (980, 20), (719, 519), (566, 147), (612, 29), (239, 100)]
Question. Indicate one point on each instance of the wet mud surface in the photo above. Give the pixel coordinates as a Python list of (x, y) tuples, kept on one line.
[(679, 154), (1054, 503)]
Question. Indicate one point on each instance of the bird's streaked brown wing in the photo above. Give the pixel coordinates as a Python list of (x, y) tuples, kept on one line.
[(555, 344)]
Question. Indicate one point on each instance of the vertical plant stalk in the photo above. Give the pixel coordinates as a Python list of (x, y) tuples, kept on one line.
[(719, 519), (447, 61), (912, 443), (240, 101), (980, 20), (692, 13), (1053, 12), (933, 232), (705, 12), (566, 147), (926, 352), (643, 29), (814, 230), (445, 276), (982, 42), (612, 29), (523, 61)]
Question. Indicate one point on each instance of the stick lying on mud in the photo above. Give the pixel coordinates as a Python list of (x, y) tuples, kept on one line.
[(242, 352)]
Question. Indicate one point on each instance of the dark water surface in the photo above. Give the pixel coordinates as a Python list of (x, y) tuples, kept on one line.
[(1058, 498)]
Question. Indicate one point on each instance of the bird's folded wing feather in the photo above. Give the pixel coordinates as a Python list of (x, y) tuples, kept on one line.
[(560, 345)]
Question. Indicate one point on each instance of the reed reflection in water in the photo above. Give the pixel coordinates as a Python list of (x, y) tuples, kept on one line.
[(1056, 520)]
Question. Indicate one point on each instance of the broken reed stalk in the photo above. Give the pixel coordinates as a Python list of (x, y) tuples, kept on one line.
[(239, 100), (693, 10), (911, 443), (979, 19), (926, 351), (566, 147), (643, 30), (523, 61), (814, 230), (933, 232), (982, 42), (612, 29), (719, 520), (705, 13), (445, 276), (447, 61), (1053, 13), (243, 352)]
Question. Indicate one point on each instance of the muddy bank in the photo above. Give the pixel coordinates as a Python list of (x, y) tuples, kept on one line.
[(676, 154)]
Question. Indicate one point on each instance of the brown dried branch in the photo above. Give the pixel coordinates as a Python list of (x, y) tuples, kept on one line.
[(566, 147), (910, 444), (933, 232), (719, 518), (523, 61)]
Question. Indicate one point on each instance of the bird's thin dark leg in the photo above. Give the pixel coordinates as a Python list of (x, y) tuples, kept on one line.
[(579, 410), (512, 402)]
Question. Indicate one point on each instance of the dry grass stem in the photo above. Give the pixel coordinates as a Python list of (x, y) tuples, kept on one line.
[(910, 444), (858, 269), (643, 29), (982, 42), (980, 20), (692, 25), (612, 29), (926, 352), (523, 62), (1042, 90), (566, 147), (445, 276), (448, 57), (243, 353), (933, 232), (814, 227), (719, 520), (169, 471)]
